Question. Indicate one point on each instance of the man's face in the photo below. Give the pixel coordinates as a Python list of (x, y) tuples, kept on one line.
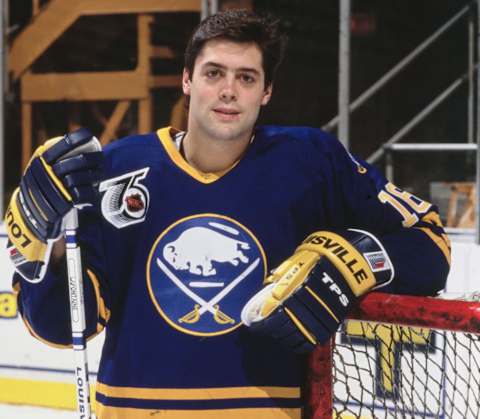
[(226, 90)]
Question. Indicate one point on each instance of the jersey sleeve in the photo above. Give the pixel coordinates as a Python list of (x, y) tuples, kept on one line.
[(45, 306), (409, 227)]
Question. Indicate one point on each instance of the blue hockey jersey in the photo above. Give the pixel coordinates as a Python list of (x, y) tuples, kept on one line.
[(172, 255)]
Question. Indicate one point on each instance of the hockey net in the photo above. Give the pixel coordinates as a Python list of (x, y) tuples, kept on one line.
[(401, 357)]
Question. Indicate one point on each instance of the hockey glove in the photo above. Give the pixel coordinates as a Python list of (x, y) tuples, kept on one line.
[(62, 173), (310, 294)]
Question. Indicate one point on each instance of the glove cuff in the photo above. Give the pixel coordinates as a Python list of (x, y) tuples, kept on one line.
[(27, 252)]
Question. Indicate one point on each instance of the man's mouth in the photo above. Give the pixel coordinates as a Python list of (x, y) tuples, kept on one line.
[(226, 114)]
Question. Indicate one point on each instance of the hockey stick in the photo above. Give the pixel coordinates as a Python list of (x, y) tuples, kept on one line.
[(77, 312)]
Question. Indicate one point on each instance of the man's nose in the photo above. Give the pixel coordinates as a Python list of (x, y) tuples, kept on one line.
[(228, 91)]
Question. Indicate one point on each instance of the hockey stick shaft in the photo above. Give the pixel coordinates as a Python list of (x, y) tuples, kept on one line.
[(77, 312)]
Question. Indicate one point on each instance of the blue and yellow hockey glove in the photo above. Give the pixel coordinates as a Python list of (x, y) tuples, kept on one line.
[(309, 295), (62, 173)]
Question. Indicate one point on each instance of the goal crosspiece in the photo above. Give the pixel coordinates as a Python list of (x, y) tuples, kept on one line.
[(400, 357)]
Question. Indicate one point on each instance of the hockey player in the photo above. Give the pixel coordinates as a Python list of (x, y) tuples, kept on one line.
[(178, 248)]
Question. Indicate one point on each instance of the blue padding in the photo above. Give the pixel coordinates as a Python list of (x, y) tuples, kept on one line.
[(67, 144), (292, 340), (49, 189), (42, 224), (280, 327), (83, 194), (317, 312), (278, 324), (304, 347), (319, 325), (41, 234), (78, 136), (81, 162), (87, 177), (32, 185), (360, 241), (322, 290)]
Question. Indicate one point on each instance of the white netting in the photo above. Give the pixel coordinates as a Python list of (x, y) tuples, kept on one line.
[(391, 371)]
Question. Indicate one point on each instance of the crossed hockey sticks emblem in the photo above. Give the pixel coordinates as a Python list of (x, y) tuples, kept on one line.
[(212, 305)]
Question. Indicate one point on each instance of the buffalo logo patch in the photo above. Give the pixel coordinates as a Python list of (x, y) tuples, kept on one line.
[(202, 270)]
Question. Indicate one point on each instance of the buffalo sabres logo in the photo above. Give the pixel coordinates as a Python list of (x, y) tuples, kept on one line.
[(202, 270), (125, 201)]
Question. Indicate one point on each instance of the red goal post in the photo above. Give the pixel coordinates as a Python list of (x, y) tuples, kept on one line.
[(400, 357)]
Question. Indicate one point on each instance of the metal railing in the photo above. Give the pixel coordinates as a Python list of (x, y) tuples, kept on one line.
[(346, 108), (389, 75), (209, 7)]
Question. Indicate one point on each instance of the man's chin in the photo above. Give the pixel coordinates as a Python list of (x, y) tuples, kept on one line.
[(228, 132)]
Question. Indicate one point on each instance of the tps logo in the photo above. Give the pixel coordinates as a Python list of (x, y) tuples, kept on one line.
[(126, 200), (202, 270)]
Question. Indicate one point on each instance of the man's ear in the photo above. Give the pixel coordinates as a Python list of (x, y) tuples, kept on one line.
[(267, 94), (186, 82)]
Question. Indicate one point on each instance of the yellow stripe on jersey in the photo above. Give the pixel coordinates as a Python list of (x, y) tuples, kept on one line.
[(16, 287), (442, 241), (108, 412), (102, 310), (210, 393), (167, 141)]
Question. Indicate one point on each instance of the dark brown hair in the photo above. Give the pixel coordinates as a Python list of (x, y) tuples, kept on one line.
[(240, 26)]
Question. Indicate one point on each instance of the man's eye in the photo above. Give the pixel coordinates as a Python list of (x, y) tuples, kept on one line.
[(246, 78), (211, 74)]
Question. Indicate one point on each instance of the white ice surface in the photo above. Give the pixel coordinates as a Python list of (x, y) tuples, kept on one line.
[(10, 411)]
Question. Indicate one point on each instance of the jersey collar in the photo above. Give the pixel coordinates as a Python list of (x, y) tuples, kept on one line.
[(165, 136)]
